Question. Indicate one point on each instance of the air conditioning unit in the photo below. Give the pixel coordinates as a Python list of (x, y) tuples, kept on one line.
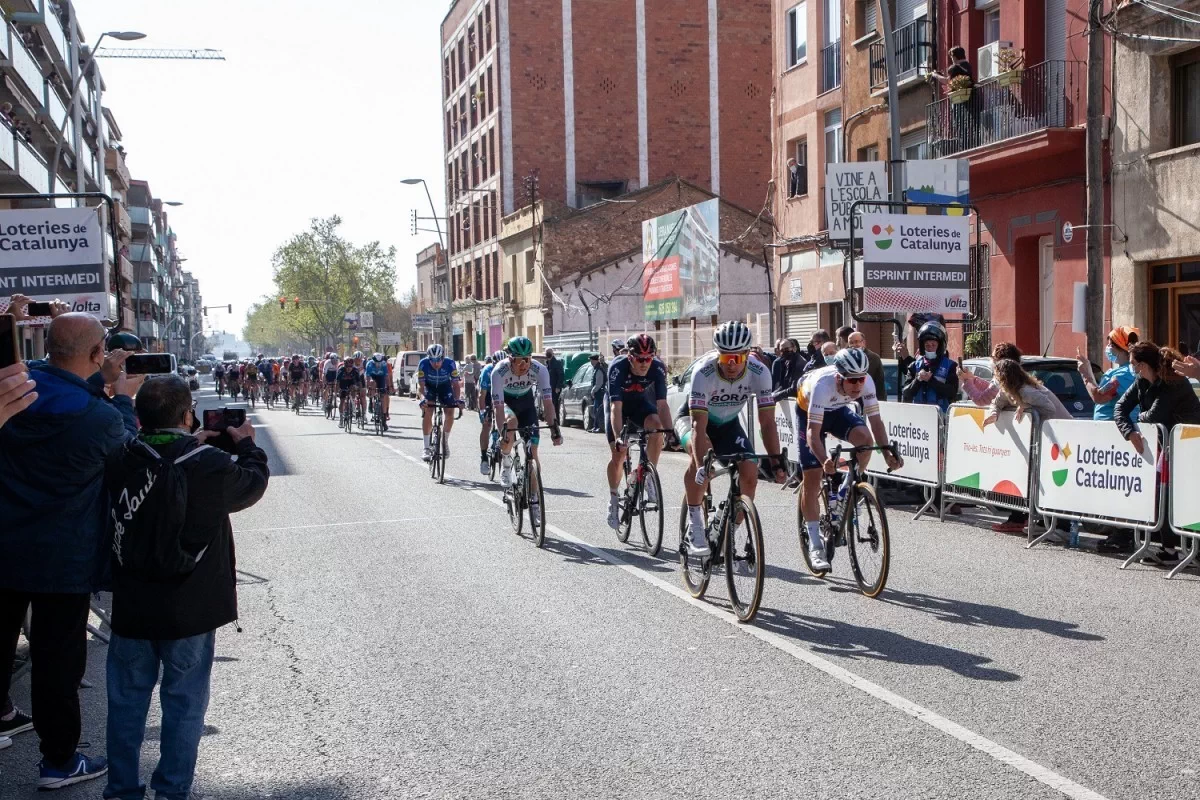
[(987, 60)]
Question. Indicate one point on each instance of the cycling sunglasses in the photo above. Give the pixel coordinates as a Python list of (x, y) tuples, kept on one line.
[(733, 359), (643, 359), (858, 380)]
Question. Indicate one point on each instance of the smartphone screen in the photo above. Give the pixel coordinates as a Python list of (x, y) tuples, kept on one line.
[(235, 417), (10, 348), (39, 309), (150, 364), (213, 419)]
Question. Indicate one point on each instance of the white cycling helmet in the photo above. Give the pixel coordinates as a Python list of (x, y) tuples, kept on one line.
[(358, 354), (377, 357), (435, 352), (733, 337), (851, 362), (499, 356)]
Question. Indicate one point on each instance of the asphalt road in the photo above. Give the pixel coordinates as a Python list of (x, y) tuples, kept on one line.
[(400, 641)]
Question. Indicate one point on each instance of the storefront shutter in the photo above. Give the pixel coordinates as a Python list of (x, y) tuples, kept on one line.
[(800, 322)]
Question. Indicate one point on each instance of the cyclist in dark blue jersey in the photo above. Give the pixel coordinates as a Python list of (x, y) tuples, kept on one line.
[(438, 383)]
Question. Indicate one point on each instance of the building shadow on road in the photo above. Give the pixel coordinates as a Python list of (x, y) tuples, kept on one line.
[(842, 639), (963, 612), (312, 790)]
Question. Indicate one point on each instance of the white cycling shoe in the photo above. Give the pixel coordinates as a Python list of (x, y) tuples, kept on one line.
[(535, 513), (427, 455), (651, 493), (506, 474), (697, 541), (614, 513), (816, 556), (484, 467)]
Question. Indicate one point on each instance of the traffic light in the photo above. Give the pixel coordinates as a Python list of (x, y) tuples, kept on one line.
[(231, 308), (297, 299), (414, 222), (283, 304), (204, 310)]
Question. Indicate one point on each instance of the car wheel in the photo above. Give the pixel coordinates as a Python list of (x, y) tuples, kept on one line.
[(585, 414)]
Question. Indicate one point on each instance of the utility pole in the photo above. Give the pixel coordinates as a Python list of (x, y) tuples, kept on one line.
[(1095, 183)]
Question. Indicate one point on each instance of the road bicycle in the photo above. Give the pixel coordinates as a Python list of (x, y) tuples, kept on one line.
[(437, 448), (526, 489), (220, 387), (856, 521), (642, 492), (331, 404), (734, 534), (252, 394), (347, 417), (375, 406), (297, 397)]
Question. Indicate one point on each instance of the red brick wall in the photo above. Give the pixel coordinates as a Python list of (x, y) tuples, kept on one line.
[(535, 30), (606, 131), (744, 67)]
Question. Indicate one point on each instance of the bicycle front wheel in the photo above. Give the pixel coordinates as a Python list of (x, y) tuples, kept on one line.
[(803, 529), (516, 496), (867, 537), (696, 570), (535, 494), (650, 512), (745, 566), (627, 493)]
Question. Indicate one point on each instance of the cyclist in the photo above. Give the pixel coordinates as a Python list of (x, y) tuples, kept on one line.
[(516, 383), (297, 378), (314, 375), (233, 379), (267, 376), (379, 374), (251, 377), (827, 403), (219, 377), (329, 368), (360, 365), (485, 409), (637, 393), (722, 383), (347, 379), (437, 382)]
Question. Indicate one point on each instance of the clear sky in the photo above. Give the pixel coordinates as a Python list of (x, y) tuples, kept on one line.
[(320, 108)]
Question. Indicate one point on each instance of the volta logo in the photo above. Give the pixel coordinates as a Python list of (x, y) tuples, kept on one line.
[(883, 244), (1060, 475)]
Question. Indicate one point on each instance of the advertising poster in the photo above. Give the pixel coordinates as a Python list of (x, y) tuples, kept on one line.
[(847, 184), (939, 180), (914, 430), (1088, 468), (54, 254), (681, 255), (991, 459), (1185, 469), (916, 264)]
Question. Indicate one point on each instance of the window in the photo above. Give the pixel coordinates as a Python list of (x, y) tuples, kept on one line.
[(798, 172), (870, 17), (588, 193), (914, 145), (833, 136), (991, 26), (868, 153), (530, 276), (1185, 98), (797, 35)]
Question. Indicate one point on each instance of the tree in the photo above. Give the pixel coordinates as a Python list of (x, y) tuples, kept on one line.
[(267, 330), (397, 316), (331, 276)]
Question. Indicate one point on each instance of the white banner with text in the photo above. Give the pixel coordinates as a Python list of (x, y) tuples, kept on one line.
[(1185, 477), (54, 254), (915, 430), (988, 457), (1087, 468)]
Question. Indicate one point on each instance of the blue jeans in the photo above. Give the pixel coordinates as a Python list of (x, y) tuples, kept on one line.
[(598, 411), (133, 666)]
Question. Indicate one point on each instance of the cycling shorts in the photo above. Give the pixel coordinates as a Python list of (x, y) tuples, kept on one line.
[(525, 410), (630, 412), (443, 395), (727, 440), (380, 381), (838, 422), (331, 376)]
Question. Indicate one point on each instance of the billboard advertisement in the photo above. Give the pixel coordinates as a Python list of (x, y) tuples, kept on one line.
[(680, 255), (916, 263), (945, 181), (54, 254)]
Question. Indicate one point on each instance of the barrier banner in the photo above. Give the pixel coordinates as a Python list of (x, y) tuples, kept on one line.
[(1185, 469), (54, 254), (990, 459), (1087, 468), (914, 430)]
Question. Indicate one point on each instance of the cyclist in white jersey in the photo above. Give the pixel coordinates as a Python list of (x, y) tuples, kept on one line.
[(827, 403), (517, 382), (722, 384)]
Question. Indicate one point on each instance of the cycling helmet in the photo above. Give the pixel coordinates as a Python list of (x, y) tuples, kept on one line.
[(377, 357), (312, 360), (498, 356), (851, 362), (642, 345), (358, 354), (435, 352), (520, 347), (732, 337), (617, 346)]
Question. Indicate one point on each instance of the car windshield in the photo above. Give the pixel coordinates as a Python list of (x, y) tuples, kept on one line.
[(1064, 380)]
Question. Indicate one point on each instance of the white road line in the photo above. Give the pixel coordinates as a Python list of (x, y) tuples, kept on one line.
[(1042, 774), (358, 522)]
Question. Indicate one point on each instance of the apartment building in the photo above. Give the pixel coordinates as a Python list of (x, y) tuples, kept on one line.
[(433, 289), (1156, 169), (160, 308), (595, 99)]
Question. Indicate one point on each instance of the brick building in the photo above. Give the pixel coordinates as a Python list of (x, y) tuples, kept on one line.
[(598, 98)]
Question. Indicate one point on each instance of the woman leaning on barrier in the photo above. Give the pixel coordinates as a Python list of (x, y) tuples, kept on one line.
[(1164, 397), (1022, 391)]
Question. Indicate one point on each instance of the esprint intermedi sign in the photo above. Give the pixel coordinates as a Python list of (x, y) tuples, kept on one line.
[(916, 264)]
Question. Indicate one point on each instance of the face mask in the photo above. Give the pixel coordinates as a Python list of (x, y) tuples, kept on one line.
[(931, 353), (830, 359), (1110, 354)]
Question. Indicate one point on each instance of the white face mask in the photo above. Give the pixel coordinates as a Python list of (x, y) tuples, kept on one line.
[(931, 353)]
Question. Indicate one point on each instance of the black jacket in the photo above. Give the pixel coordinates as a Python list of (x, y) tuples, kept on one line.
[(1166, 403), (205, 599), (599, 379), (785, 372), (555, 367)]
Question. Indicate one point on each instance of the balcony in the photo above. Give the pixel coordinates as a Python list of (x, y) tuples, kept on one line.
[(118, 173), (147, 292), (126, 269), (914, 50), (24, 66), (32, 168), (831, 66), (147, 329), (124, 224), (1051, 95), (55, 110), (8, 148), (140, 216)]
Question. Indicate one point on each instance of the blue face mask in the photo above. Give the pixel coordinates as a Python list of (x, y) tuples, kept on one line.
[(1110, 354), (830, 359)]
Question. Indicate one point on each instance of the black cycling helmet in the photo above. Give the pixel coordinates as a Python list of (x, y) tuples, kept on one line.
[(642, 345)]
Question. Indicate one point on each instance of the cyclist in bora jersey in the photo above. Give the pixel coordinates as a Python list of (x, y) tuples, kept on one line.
[(827, 403), (517, 382), (722, 383), (485, 409), (437, 383), (378, 372), (637, 393)]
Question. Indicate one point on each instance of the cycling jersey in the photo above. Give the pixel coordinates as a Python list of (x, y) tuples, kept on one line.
[(377, 371), (485, 379), (265, 370), (252, 371), (818, 394), (297, 372), (440, 379), (330, 368), (507, 387), (722, 398), (347, 378), (627, 388)]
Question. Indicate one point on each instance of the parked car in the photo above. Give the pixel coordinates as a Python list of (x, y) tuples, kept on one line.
[(577, 394), (1060, 375), (404, 371)]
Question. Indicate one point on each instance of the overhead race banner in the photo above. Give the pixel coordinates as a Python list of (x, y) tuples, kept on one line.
[(54, 254), (1185, 469), (991, 459), (846, 184), (916, 264), (680, 256), (1088, 468), (915, 430)]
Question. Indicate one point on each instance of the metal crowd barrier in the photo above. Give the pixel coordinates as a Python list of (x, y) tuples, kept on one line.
[(1175, 466)]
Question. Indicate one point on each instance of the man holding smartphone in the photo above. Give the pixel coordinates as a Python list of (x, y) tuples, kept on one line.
[(52, 460)]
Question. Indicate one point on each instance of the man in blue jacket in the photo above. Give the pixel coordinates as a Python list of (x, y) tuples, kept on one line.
[(52, 541)]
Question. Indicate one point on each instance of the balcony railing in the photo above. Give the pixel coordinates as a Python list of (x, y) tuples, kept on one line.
[(140, 215), (1048, 95), (32, 169), (8, 148), (25, 66), (114, 162), (831, 66), (914, 49)]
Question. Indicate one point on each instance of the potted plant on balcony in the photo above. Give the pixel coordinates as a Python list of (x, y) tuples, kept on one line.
[(1011, 63), (960, 89)]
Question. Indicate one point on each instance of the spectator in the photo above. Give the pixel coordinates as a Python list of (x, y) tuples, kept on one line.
[(1116, 380), (554, 366), (788, 367), (1025, 393), (932, 379), (1165, 398), (1189, 367), (618, 347), (797, 185), (599, 384), (965, 115), (6, 111), (471, 381), (824, 357), (168, 622), (764, 358), (982, 392), (858, 339), (843, 337), (52, 502), (16, 392), (819, 337)]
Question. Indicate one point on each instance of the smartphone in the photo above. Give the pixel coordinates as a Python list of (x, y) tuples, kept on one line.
[(218, 419), (38, 309), (150, 364), (10, 345)]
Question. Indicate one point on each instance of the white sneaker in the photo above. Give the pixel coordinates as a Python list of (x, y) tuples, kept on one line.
[(614, 512), (484, 467), (698, 542), (651, 493), (506, 473), (816, 557), (535, 513), (427, 455), (5, 742)]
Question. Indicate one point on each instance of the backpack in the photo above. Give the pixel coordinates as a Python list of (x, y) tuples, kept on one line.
[(148, 499)]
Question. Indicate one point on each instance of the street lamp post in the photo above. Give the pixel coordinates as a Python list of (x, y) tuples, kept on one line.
[(436, 222)]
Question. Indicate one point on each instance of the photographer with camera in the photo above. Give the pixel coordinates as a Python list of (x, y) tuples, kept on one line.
[(54, 512), (172, 492)]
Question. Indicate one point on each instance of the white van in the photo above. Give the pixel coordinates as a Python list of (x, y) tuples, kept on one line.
[(404, 371)]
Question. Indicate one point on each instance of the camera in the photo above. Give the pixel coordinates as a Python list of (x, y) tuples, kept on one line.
[(218, 419)]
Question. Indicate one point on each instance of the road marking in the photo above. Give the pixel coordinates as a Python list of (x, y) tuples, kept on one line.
[(358, 522), (998, 752)]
